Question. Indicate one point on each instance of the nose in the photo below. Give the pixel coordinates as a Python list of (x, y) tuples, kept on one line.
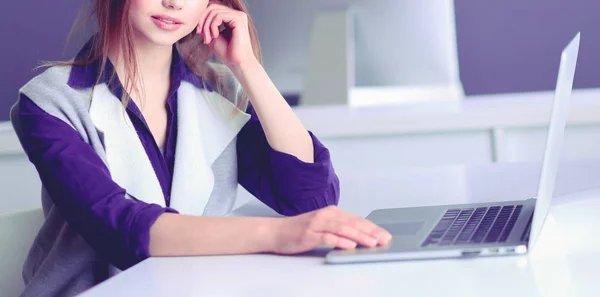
[(173, 4)]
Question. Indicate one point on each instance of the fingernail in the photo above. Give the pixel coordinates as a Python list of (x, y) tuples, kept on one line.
[(372, 242), (386, 237)]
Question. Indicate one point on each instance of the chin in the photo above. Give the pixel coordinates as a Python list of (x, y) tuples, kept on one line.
[(164, 38)]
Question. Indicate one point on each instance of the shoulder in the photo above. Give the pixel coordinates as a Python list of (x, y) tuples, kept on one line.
[(51, 89), (52, 77), (51, 93)]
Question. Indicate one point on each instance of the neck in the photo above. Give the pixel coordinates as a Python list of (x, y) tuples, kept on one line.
[(154, 65)]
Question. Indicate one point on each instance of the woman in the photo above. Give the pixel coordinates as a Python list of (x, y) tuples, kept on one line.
[(141, 140)]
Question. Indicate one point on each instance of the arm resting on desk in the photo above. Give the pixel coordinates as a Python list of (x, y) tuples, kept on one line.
[(180, 235)]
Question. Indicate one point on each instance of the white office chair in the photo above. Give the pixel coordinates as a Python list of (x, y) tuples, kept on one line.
[(17, 232)]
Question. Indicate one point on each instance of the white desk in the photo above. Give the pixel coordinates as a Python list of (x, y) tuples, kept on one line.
[(565, 263)]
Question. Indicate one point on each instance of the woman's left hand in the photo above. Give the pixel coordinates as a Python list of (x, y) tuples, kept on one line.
[(233, 50)]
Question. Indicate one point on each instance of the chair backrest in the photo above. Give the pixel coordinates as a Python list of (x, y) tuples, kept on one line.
[(17, 232), (405, 43), (382, 52)]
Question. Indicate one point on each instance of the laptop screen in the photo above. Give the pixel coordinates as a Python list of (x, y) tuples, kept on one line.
[(554, 140)]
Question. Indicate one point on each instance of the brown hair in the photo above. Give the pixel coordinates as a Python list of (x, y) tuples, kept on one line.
[(115, 31)]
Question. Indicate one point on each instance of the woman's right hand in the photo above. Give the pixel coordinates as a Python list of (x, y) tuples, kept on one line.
[(328, 226)]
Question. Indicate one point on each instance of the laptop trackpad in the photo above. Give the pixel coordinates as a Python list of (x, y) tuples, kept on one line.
[(403, 228)]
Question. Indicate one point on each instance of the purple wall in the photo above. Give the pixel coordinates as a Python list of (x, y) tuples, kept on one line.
[(31, 31), (515, 45), (503, 46)]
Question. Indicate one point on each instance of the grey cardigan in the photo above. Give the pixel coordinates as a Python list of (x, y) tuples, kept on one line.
[(60, 262)]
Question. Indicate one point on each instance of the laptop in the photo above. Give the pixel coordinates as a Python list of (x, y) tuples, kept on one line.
[(480, 229)]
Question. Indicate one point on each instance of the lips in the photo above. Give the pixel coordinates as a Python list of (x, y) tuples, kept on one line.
[(167, 19), (166, 23)]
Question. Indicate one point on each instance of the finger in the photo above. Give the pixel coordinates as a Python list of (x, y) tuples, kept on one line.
[(206, 26), (200, 27), (365, 226), (214, 26), (382, 236), (216, 3), (337, 241), (207, 19), (343, 230)]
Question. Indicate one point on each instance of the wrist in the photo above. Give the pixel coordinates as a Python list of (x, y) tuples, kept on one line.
[(245, 67), (268, 232)]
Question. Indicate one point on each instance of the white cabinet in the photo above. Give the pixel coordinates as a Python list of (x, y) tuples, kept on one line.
[(507, 128), (410, 150), (581, 141)]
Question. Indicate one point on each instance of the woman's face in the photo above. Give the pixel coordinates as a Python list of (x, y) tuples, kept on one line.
[(164, 22)]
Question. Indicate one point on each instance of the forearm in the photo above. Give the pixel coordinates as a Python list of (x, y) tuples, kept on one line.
[(180, 235), (284, 131)]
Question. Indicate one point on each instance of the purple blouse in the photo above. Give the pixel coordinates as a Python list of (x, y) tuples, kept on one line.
[(118, 228)]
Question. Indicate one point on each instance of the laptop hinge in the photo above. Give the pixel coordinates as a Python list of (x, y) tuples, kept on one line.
[(527, 231)]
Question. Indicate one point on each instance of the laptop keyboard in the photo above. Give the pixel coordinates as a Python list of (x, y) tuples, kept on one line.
[(474, 225)]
